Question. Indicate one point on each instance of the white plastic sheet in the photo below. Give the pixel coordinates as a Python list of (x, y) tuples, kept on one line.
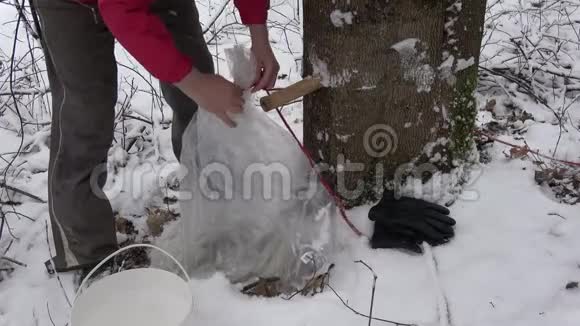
[(257, 208)]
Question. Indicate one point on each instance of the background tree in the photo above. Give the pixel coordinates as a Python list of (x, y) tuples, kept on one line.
[(402, 75)]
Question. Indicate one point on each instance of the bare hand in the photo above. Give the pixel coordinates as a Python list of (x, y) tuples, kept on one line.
[(213, 93), (267, 66)]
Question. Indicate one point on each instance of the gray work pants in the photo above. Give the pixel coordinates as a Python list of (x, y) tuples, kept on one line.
[(82, 72)]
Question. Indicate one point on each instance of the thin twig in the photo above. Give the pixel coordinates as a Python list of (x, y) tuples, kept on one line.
[(49, 316), (13, 261), (396, 323), (20, 214), (26, 92), (8, 248), (557, 214), (56, 273), (22, 192), (129, 116), (212, 20), (373, 291)]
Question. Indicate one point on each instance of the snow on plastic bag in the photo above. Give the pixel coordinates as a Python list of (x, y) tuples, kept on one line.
[(257, 206)]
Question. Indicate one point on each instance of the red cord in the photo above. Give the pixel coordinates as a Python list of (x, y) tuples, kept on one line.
[(332, 193), (525, 149)]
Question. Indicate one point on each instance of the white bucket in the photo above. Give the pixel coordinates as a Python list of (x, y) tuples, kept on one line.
[(136, 297)]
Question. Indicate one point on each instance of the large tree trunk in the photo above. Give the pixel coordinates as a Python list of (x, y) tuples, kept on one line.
[(389, 92)]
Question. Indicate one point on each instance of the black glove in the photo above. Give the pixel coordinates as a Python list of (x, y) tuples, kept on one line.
[(407, 222), (383, 239)]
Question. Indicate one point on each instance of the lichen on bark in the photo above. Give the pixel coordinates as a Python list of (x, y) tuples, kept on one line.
[(463, 114)]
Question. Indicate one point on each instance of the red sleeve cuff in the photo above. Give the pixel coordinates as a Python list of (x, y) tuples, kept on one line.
[(253, 12), (177, 70)]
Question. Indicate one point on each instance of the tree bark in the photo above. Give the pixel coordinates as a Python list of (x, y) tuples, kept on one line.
[(387, 96)]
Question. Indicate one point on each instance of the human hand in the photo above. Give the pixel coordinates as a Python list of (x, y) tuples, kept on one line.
[(267, 66), (214, 94)]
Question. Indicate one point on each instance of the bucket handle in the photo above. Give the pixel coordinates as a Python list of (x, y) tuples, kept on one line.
[(142, 245)]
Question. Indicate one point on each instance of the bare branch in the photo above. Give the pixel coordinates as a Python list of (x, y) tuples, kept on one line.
[(215, 17), (14, 261), (22, 192)]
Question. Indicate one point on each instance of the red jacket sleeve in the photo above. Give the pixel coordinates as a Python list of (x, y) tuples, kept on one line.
[(145, 36), (253, 11)]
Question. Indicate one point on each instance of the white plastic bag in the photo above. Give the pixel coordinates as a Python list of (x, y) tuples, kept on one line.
[(257, 206)]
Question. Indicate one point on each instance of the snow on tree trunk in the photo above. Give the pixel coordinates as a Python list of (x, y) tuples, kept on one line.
[(400, 75)]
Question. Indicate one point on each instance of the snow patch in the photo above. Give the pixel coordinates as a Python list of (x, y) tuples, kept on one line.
[(343, 138), (463, 64), (366, 88), (320, 69), (413, 66), (446, 69), (339, 18)]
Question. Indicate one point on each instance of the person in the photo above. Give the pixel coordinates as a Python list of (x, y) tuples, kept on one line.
[(166, 37)]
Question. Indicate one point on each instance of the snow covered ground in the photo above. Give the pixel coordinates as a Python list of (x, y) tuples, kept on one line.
[(515, 251)]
